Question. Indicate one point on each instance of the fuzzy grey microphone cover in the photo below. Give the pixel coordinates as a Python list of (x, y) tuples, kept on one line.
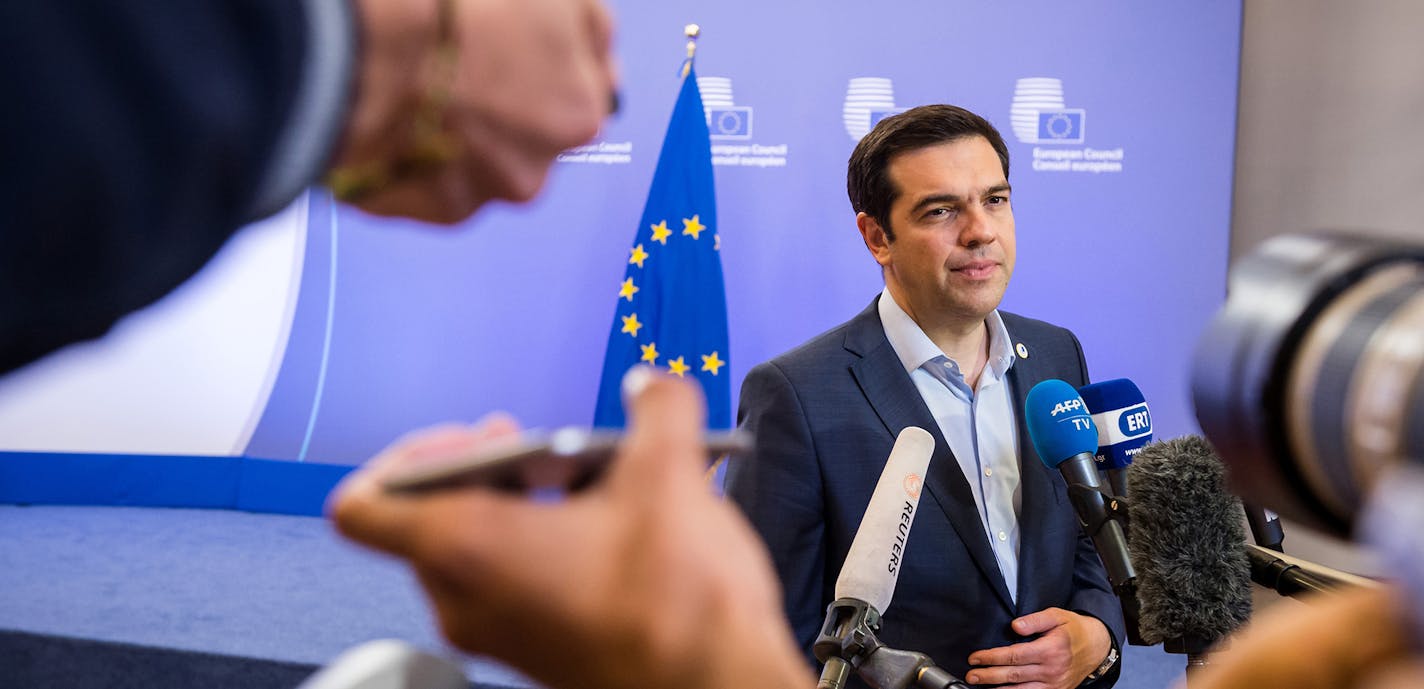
[(1187, 542)]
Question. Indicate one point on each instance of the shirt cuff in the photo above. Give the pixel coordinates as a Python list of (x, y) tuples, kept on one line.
[(1114, 647), (318, 112)]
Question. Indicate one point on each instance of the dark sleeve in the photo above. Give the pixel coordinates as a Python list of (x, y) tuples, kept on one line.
[(138, 135), (1093, 596), (1092, 593), (778, 487)]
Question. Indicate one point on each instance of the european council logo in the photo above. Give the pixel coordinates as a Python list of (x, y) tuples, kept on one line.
[(1038, 115), (724, 120), (868, 100)]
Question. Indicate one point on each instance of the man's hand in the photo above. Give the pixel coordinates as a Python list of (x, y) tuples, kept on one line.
[(526, 80), (643, 580), (1069, 647)]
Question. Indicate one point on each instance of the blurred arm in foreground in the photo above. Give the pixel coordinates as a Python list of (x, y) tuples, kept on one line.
[(141, 134), (1357, 639)]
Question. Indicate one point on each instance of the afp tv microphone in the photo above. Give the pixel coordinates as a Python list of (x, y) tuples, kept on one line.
[(1063, 434)]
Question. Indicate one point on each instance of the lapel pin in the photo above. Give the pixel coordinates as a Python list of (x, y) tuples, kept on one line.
[(1022, 350)]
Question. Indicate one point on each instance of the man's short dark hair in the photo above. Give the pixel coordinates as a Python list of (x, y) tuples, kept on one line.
[(867, 174)]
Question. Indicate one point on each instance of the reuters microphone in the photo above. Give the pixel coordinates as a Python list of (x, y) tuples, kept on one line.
[(872, 565)]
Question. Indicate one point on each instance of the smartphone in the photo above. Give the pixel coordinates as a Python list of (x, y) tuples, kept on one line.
[(569, 458)]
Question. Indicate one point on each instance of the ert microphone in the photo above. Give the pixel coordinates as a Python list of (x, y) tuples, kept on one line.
[(1063, 434), (872, 565), (1193, 577), (1124, 425)]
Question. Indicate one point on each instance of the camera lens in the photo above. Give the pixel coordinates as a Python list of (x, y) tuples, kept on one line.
[(1310, 380)]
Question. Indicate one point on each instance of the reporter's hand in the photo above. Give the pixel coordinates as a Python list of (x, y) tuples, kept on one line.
[(1333, 641), (1405, 674), (643, 580), (532, 78), (1068, 647)]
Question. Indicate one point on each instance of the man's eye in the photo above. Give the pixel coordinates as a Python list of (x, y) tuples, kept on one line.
[(996, 200)]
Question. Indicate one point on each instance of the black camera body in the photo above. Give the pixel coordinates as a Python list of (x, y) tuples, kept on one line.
[(1310, 381)]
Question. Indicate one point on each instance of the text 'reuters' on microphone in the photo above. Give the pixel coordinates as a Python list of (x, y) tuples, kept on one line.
[(1193, 575), (872, 565), (1065, 438), (1124, 425)]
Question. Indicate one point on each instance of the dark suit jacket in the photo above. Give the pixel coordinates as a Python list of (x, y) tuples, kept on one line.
[(137, 135), (825, 416)]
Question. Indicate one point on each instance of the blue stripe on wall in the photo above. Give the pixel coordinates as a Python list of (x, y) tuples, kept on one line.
[(237, 483)]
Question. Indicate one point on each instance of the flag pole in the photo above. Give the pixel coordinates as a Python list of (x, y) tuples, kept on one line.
[(692, 31)]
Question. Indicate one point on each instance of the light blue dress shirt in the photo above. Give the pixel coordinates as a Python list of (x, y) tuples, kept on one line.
[(980, 425)]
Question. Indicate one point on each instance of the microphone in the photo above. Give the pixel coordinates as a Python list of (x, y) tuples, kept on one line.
[(1292, 577), (1194, 581), (1063, 434), (1265, 526), (1124, 425), (872, 565), (387, 664)]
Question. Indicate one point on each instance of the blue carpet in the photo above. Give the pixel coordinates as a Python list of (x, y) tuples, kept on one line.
[(216, 585), (121, 597)]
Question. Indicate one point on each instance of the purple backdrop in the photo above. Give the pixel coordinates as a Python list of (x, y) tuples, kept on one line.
[(1122, 219)]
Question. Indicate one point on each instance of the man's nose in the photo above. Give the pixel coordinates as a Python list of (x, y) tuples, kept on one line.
[(976, 229)]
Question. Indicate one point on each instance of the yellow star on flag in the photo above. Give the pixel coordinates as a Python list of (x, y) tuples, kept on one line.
[(638, 256), (628, 289), (678, 367), (650, 352), (692, 227), (631, 324), (661, 233), (712, 363)]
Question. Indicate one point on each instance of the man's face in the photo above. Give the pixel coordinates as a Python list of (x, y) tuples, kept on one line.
[(953, 251)]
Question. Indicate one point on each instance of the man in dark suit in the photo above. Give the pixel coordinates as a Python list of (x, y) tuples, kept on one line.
[(998, 583)]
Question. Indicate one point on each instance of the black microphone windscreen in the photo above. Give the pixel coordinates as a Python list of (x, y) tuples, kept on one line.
[(1186, 542)]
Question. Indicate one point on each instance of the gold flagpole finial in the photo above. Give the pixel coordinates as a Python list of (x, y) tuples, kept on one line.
[(692, 31)]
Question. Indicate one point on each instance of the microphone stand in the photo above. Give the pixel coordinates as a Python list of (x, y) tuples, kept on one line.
[(1195, 647), (1290, 579), (1102, 510), (848, 640)]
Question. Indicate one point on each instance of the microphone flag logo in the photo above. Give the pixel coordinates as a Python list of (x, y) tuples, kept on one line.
[(913, 484)]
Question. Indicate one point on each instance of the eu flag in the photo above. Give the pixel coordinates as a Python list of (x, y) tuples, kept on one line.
[(672, 309)]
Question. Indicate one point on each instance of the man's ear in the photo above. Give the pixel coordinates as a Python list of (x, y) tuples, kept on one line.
[(876, 239)]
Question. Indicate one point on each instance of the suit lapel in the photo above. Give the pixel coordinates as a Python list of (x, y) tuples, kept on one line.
[(1036, 492), (897, 402)]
